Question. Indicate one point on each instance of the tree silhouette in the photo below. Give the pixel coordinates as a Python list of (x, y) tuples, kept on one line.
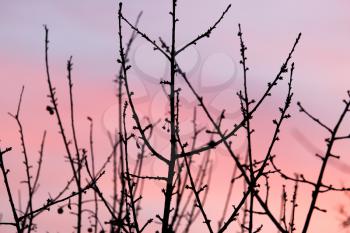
[(185, 190)]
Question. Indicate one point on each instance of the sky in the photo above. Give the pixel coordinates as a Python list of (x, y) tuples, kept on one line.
[(87, 30)]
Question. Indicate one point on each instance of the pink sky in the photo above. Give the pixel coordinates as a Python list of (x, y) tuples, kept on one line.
[(88, 31)]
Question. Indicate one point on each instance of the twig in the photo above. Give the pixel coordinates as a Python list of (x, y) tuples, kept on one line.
[(143, 35), (328, 154), (205, 34), (120, 117), (267, 93), (224, 140), (245, 102), (129, 93), (95, 213), (8, 189), (51, 202), (149, 177), (128, 178), (41, 154), (302, 109), (26, 163), (232, 182), (294, 206), (192, 182), (75, 142)]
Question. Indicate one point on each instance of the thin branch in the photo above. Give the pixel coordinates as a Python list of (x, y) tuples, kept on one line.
[(26, 163), (228, 196), (205, 34), (41, 154), (302, 109), (129, 93), (328, 154), (267, 93), (143, 35), (128, 178), (224, 137), (95, 212), (245, 102), (75, 142), (54, 107), (149, 177), (294, 206), (120, 119), (8, 189), (51, 202)]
